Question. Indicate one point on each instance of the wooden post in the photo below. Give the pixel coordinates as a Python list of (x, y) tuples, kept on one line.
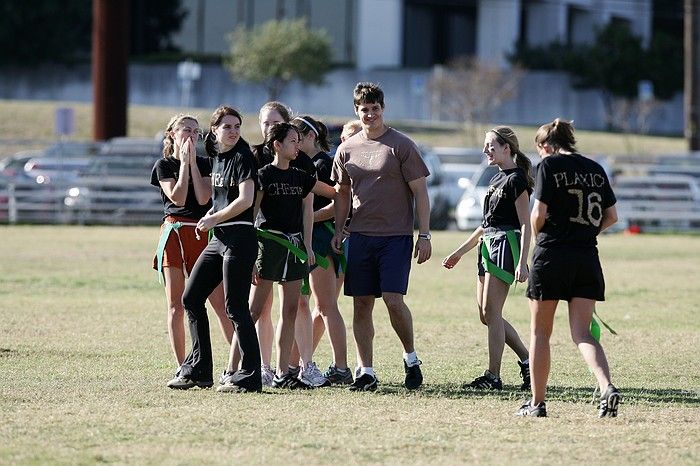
[(110, 50)]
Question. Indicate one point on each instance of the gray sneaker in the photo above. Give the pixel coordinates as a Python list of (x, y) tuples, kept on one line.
[(312, 376), (530, 410), (183, 383), (338, 376), (267, 375)]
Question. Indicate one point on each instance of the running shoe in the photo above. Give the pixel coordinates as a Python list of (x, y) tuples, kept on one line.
[(312, 376), (338, 376), (267, 375), (488, 381), (290, 382), (225, 377), (183, 383), (364, 383), (294, 371), (527, 409), (414, 376), (241, 381), (609, 402), (525, 374)]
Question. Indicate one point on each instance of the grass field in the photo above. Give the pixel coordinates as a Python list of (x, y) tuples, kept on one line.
[(34, 120), (84, 360)]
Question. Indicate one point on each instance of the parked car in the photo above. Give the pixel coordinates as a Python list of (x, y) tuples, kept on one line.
[(470, 209), (458, 163), (12, 167), (45, 170), (437, 191), (115, 189)]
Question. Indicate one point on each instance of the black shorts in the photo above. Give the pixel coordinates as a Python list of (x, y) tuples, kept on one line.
[(276, 263), (566, 273), (503, 254)]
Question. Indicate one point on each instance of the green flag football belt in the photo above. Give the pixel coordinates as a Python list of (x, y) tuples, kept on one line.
[(290, 243), (486, 248)]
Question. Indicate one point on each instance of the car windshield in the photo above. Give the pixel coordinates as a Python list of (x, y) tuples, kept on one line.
[(485, 176)]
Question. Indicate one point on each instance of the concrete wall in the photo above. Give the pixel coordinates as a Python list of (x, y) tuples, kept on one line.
[(542, 96)]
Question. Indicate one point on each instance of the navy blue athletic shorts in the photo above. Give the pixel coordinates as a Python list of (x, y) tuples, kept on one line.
[(378, 264), (566, 273)]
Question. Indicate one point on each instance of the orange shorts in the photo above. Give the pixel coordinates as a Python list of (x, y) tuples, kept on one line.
[(185, 237)]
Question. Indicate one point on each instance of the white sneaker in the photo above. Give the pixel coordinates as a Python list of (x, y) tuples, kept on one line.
[(312, 376), (267, 375)]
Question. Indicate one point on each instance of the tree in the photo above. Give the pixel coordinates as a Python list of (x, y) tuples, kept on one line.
[(44, 31), (471, 90), (50, 31), (615, 63), (277, 52)]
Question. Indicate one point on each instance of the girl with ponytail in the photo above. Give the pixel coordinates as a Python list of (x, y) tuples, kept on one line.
[(503, 241), (184, 180)]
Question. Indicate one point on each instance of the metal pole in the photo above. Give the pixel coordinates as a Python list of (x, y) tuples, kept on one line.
[(692, 74), (110, 49)]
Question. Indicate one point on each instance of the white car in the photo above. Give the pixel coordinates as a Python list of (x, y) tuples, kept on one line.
[(470, 210)]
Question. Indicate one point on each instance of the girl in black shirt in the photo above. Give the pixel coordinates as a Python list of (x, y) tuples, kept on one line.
[(229, 257), (573, 204), (286, 204), (184, 180), (504, 241)]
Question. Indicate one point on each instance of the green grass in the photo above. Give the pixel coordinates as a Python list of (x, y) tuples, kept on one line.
[(84, 359), (34, 120)]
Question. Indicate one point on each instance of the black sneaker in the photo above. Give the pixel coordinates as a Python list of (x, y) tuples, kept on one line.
[(414, 376), (525, 374), (488, 381), (364, 383), (294, 371), (527, 409), (338, 376), (609, 402), (183, 383), (241, 381), (290, 382)]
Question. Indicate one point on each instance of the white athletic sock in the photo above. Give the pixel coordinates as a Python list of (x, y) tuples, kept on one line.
[(410, 358), (366, 370)]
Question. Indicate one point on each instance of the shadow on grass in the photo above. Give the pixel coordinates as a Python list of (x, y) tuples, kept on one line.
[(573, 394)]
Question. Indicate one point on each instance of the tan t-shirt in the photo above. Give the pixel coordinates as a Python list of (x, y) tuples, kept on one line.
[(378, 171)]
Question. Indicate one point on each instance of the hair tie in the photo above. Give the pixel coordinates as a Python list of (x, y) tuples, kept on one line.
[(313, 128)]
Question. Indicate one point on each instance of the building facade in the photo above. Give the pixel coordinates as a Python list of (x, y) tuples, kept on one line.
[(380, 34)]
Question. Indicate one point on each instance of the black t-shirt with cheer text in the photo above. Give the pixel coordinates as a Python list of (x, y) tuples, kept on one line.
[(230, 169), (576, 190), (282, 203), (499, 205), (169, 168)]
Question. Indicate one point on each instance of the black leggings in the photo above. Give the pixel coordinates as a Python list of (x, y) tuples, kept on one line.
[(231, 259)]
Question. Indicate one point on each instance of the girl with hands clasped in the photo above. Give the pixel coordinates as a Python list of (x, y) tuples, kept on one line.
[(503, 239), (184, 180)]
